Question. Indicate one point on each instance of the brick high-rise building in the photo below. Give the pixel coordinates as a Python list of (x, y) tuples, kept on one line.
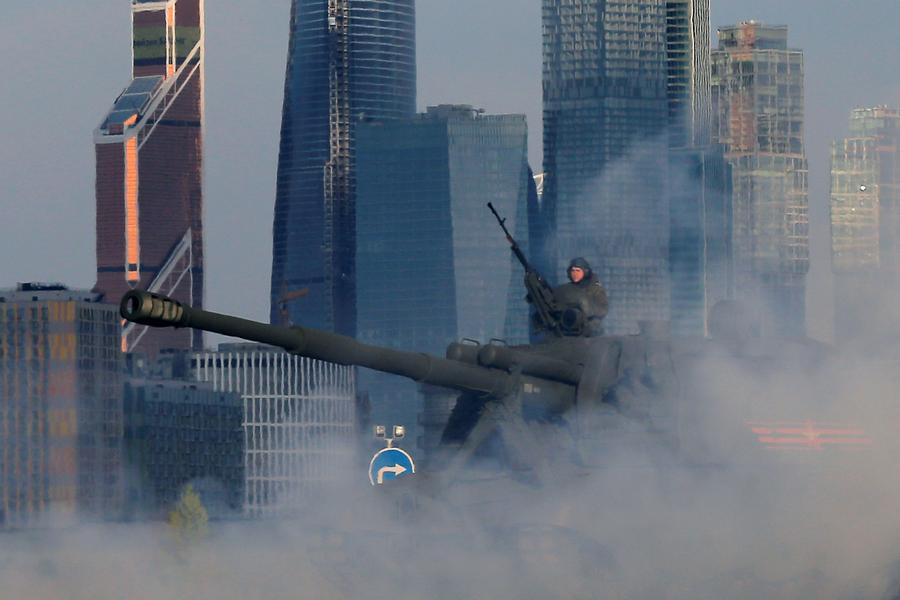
[(149, 170), (60, 405)]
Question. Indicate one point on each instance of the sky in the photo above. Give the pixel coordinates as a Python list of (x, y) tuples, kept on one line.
[(65, 62)]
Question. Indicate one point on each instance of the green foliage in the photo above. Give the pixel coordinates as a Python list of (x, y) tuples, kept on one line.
[(189, 519)]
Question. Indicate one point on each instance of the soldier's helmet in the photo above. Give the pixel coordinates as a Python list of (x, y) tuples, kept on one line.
[(582, 264)]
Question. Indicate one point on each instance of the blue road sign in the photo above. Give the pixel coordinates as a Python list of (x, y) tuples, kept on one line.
[(390, 463)]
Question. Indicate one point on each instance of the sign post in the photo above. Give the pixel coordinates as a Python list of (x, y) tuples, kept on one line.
[(390, 463)]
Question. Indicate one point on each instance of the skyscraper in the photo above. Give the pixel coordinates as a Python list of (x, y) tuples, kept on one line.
[(149, 170), (60, 404), (605, 116), (433, 266), (687, 67), (699, 184), (865, 224), (700, 247), (757, 94), (348, 60)]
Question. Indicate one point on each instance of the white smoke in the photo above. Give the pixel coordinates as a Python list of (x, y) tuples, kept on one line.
[(640, 523)]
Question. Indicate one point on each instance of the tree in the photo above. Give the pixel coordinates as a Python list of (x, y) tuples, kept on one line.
[(189, 518)]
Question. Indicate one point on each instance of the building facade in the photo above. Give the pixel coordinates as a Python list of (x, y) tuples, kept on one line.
[(149, 151), (606, 111), (177, 433), (60, 405), (299, 421), (688, 72), (757, 95), (700, 251), (433, 266), (348, 60), (699, 180), (865, 224)]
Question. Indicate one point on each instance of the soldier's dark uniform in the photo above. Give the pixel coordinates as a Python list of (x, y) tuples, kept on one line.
[(588, 295)]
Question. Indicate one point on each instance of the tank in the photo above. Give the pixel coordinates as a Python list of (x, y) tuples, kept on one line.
[(538, 410), (496, 384)]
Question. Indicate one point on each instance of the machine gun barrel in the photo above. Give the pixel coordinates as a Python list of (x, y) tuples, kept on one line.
[(145, 308), (514, 246), (540, 294)]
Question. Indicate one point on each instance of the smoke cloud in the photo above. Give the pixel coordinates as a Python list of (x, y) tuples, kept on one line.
[(715, 515)]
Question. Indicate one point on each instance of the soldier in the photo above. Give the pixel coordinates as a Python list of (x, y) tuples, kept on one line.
[(584, 291)]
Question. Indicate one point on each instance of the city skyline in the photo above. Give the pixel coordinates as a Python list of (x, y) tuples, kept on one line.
[(240, 177), (588, 463)]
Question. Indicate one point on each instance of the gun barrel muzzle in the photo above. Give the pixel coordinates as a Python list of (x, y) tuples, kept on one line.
[(147, 308)]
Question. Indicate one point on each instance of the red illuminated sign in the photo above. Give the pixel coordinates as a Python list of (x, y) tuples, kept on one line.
[(808, 435)]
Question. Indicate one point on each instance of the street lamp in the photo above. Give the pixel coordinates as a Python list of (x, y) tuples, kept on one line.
[(398, 431)]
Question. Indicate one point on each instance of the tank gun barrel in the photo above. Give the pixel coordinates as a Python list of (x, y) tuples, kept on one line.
[(467, 353), (545, 367), (154, 310)]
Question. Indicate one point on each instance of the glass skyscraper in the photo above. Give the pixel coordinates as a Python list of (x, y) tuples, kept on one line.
[(757, 94), (687, 60), (433, 265), (348, 61), (700, 236), (699, 180), (606, 110)]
